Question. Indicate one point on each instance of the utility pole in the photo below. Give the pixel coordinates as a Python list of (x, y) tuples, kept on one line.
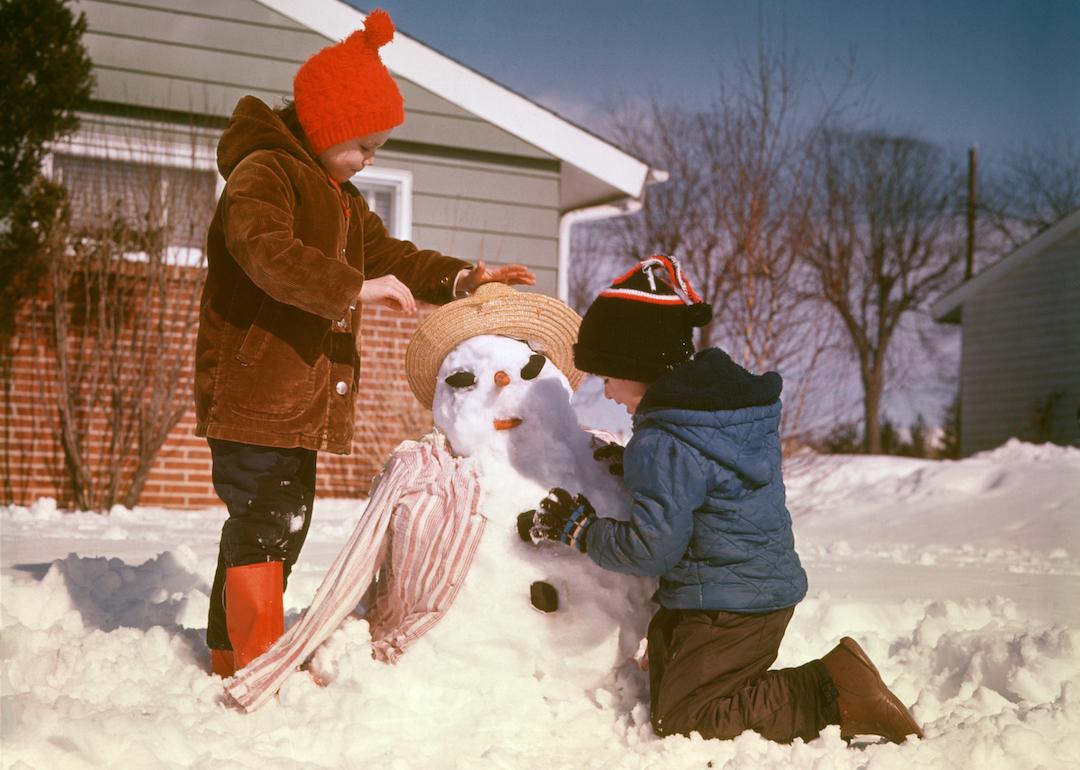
[(969, 262)]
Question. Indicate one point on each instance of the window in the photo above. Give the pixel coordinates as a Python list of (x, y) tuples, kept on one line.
[(388, 192), (180, 200), (147, 174)]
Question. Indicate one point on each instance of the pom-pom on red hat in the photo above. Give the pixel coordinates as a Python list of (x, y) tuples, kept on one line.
[(345, 91)]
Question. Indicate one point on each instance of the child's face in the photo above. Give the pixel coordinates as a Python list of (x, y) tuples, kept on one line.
[(344, 160), (626, 392)]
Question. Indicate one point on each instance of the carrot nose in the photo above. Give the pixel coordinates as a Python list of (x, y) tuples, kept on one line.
[(502, 379)]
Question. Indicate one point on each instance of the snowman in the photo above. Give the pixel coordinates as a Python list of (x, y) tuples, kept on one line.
[(497, 371), (506, 407)]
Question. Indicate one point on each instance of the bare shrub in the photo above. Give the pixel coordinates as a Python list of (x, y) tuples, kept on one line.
[(125, 277)]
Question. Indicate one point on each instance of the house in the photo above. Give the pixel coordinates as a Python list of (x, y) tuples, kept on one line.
[(1020, 360), (476, 171)]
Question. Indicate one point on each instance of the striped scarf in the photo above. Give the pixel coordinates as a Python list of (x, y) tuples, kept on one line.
[(420, 531)]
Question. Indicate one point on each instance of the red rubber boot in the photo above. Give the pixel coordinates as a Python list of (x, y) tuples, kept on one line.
[(222, 663), (254, 612)]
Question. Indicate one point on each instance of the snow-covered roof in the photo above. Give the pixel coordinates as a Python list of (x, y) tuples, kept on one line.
[(619, 174), (947, 308)]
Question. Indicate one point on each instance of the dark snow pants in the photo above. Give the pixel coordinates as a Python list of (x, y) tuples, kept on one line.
[(708, 671), (269, 493)]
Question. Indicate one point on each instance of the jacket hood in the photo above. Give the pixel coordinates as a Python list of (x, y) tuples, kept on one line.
[(711, 381), (720, 409), (255, 126)]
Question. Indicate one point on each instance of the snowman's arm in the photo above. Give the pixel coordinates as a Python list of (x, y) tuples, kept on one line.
[(345, 583), (666, 480)]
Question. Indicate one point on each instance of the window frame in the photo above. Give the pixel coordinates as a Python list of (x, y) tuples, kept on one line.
[(400, 182)]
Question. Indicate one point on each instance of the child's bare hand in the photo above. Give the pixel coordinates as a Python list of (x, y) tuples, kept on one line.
[(509, 274), (389, 292)]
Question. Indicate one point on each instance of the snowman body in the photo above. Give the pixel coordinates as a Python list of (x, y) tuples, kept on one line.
[(544, 610)]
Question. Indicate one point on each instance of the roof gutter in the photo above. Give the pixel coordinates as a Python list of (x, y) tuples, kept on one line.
[(620, 207), (949, 307)]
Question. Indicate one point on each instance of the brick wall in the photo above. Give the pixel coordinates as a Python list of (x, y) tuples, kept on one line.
[(31, 455)]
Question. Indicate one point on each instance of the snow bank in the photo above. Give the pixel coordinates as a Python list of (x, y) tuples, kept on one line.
[(957, 577)]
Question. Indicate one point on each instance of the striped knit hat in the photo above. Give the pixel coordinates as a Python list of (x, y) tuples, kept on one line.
[(345, 91), (642, 325)]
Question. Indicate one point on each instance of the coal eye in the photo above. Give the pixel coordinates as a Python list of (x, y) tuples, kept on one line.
[(461, 380), (531, 369)]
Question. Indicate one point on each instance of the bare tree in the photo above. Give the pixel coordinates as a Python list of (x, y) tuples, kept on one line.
[(1033, 188), (888, 238), (677, 217), (737, 211)]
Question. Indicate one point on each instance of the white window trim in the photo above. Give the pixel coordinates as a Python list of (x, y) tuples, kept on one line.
[(91, 141), (401, 182)]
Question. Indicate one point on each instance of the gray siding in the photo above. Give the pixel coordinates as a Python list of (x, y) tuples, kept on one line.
[(486, 195), (200, 57), (203, 56), (478, 210), (1021, 346)]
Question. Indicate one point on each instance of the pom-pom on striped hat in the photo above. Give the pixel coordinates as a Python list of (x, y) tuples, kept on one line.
[(642, 325), (345, 91)]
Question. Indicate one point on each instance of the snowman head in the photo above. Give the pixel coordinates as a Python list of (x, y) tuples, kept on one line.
[(495, 309), (495, 397)]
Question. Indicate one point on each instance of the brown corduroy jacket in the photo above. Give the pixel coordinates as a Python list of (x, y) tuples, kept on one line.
[(277, 358)]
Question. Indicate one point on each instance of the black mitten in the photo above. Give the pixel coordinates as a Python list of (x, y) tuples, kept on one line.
[(612, 454), (560, 517), (525, 525)]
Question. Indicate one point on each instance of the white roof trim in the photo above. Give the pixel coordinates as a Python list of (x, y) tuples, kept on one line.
[(479, 95), (951, 302)]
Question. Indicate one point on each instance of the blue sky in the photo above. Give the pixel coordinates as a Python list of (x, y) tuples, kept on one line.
[(999, 73)]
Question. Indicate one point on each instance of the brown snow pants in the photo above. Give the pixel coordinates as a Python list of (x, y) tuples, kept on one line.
[(708, 672)]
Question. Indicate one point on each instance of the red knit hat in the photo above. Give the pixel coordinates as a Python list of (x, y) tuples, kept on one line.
[(345, 91)]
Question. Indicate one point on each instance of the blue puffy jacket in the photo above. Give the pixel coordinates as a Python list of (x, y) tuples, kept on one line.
[(708, 516)]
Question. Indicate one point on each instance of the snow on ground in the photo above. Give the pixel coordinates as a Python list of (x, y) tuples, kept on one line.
[(959, 578)]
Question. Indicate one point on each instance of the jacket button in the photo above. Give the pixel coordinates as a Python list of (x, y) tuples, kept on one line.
[(342, 388)]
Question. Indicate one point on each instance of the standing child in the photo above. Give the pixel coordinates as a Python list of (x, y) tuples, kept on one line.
[(708, 517), (293, 252)]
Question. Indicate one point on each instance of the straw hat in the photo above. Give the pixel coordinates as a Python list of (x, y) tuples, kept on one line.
[(495, 308)]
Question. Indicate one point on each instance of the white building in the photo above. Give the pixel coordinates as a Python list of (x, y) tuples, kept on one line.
[(1020, 362)]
